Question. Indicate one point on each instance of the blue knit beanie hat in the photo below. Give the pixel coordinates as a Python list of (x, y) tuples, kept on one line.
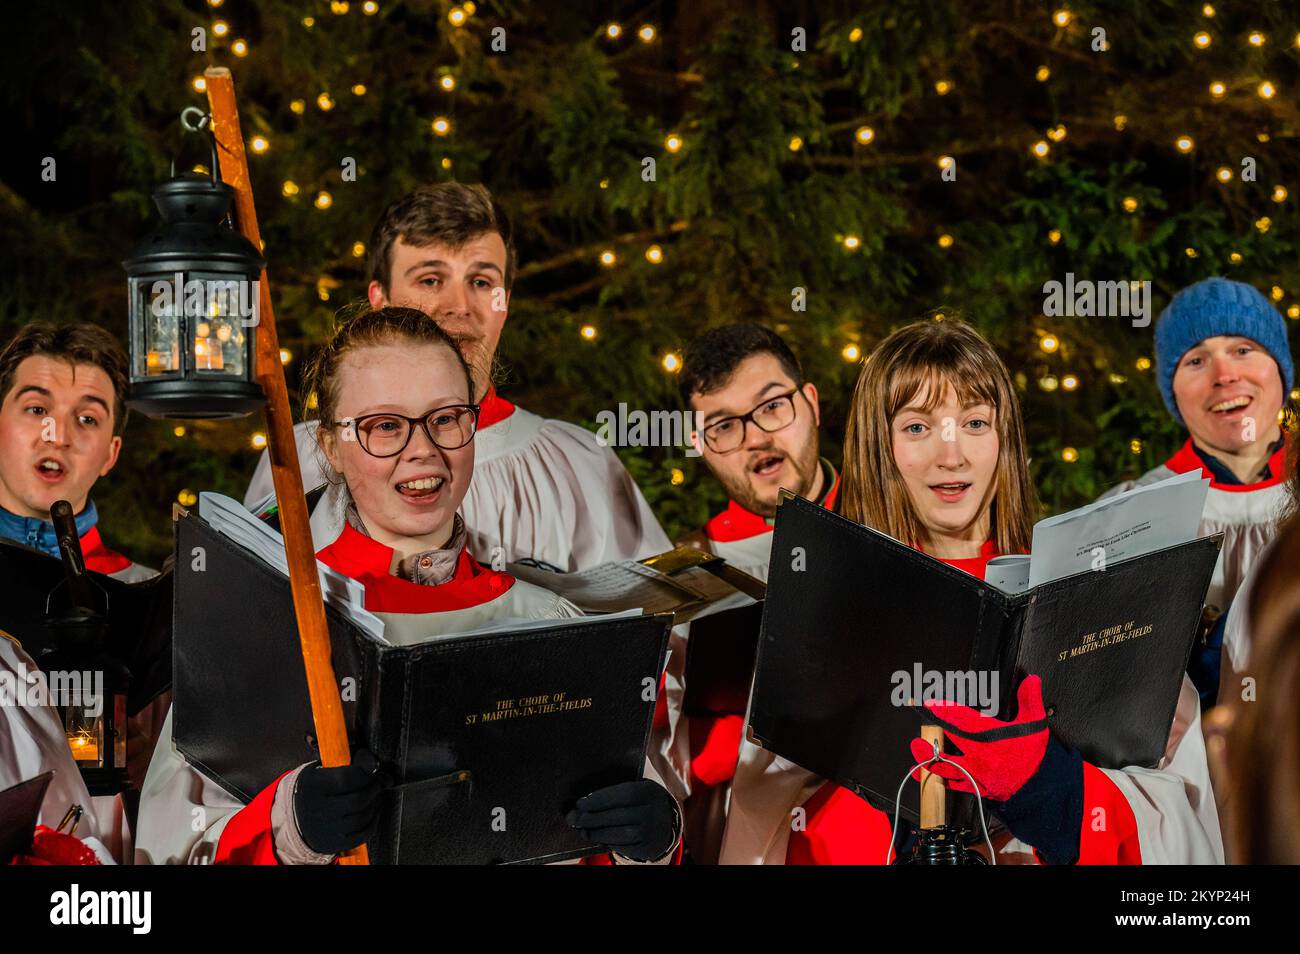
[(1217, 306)]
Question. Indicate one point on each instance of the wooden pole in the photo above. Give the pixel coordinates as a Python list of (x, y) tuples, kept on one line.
[(313, 631), (933, 808)]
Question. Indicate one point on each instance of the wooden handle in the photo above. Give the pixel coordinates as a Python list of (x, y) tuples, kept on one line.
[(313, 631), (932, 788)]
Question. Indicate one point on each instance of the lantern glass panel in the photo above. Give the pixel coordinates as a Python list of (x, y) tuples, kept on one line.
[(159, 351), (84, 725), (217, 310)]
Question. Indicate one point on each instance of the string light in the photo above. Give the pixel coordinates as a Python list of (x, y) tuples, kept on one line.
[(1266, 90), (358, 249), (1256, 38), (258, 440), (1043, 74), (1120, 122), (864, 135), (1041, 149), (447, 82), (613, 31), (215, 3), (1049, 383), (186, 498), (220, 28), (1054, 236), (608, 258), (1293, 311), (796, 143), (646, 33), (179, 430), (1262, 137), (673, 142), (239, 48), (456, 16), (851, 352), (259, 144), (1130, 204), (313, 401), (678, 476), (1279, 193), (1190, 252), (370, 8), (945, 240), (441, 126), (1235, 258), (199, 84), (323, 200), (1224, 174), (1278, 293), (1057, 133), (671, 362), (325, 101), (946, 162), (1218, 90), (1207, 10), (852, 242), (654, 255), (1135, 446), (1049, 343), (1062, 17), (588, 332), (285, 355), (298, 106), (289, 189), (1069, 455), (856, 34), (1070, 382), (943, 87), (604, 183), (1263, 223), (1143, 364), (340, 7), (446, 162), (1117, 378), (1184, 144), (1202, 40), (359, 89)]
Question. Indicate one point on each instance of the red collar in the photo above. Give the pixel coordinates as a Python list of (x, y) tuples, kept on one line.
[(99, 558), (736, 523), (493, 409), (975, 566), (1188, 461), (367, 561)]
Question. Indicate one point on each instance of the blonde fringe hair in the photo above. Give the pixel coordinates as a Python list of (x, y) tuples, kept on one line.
[(917, 361)]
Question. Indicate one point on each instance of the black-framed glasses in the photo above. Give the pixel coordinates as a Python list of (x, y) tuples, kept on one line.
[(773, 414), (386, 434)]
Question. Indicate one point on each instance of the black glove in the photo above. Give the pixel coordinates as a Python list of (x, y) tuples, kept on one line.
[(336, 808), (636, 819)]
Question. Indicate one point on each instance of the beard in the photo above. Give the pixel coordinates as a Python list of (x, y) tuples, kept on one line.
[(803, 469)]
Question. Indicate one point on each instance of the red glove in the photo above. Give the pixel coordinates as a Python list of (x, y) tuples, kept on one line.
[(50, 847), (1001, 765)]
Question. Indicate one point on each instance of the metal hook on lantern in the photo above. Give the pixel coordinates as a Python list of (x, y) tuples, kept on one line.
[(196, 120)]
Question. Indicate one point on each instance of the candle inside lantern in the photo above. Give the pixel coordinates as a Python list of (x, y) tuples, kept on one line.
[(208, 356), (84, 746)]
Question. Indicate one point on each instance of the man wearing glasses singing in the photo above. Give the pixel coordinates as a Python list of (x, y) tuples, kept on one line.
[(759, 435)]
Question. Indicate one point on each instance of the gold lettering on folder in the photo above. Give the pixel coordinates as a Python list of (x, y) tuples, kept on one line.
[(1108, 636), (524, 707)]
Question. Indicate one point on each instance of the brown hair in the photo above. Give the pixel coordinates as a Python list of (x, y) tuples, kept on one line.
[(1263, 750), (923, 357), (82, 343), (365, 327), (450, 213)]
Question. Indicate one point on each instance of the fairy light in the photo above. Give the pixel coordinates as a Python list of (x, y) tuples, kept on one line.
[(1070, 382), (446, 162), (308, 22), (289, 189), (1262, 137), (943, 87), (199, 84), (1054, 236), (851, 352), (588, 332), (1218, 90), (1256, 38), (1279, 194), (1120, 122), (339, 7), (851, 243), (358, 249), (179, 430), (456, 16), (1135, 446), (441, 126), (1049, 343), (285, 355), (1278, 292), (856, 34), (646, 33), (1117, 378), (608, 258), (359, 89), (1062, 17), (1142, 364), (796, 143), (1207, 10), (864, 135), (370, 8), (1184, 144), (239, 48), (220, 28), (1235, 258), (1049, 382), (946, 162), (323, 200), (604, 183), (1266, 90), (1130, 204), (299, 106), (1041, 149), (1043, 74), (259, 144), (1202, 40), (1069, 455), (1224, 174), (654, 255), (1189, 252), (945, 240), (325, 101), (678, 476), (673, 142), (671, 362), (1263, 223), (1293, 311), (613, 31), (215, 3), (1057, 133), (447, 82), (258, 440)]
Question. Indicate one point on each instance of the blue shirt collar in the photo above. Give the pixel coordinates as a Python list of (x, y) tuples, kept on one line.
[(39, 534)]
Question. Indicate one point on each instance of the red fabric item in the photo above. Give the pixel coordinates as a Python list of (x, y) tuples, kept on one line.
[(715, 748), (368, 561), (737, 523), (493, 409), (99, 558), (1109, 832), (839, 828), (247, 838), (50, 847), (661, 704), (1001, 768), (975, 566), (1187, 460)]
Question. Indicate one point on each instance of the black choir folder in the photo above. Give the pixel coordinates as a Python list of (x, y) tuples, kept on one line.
[(844, 638), (490, 737)]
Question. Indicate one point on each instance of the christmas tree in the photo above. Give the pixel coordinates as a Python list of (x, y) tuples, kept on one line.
[(832, 170)]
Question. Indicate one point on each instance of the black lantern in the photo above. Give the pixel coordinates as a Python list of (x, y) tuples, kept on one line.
[(194, 305)]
